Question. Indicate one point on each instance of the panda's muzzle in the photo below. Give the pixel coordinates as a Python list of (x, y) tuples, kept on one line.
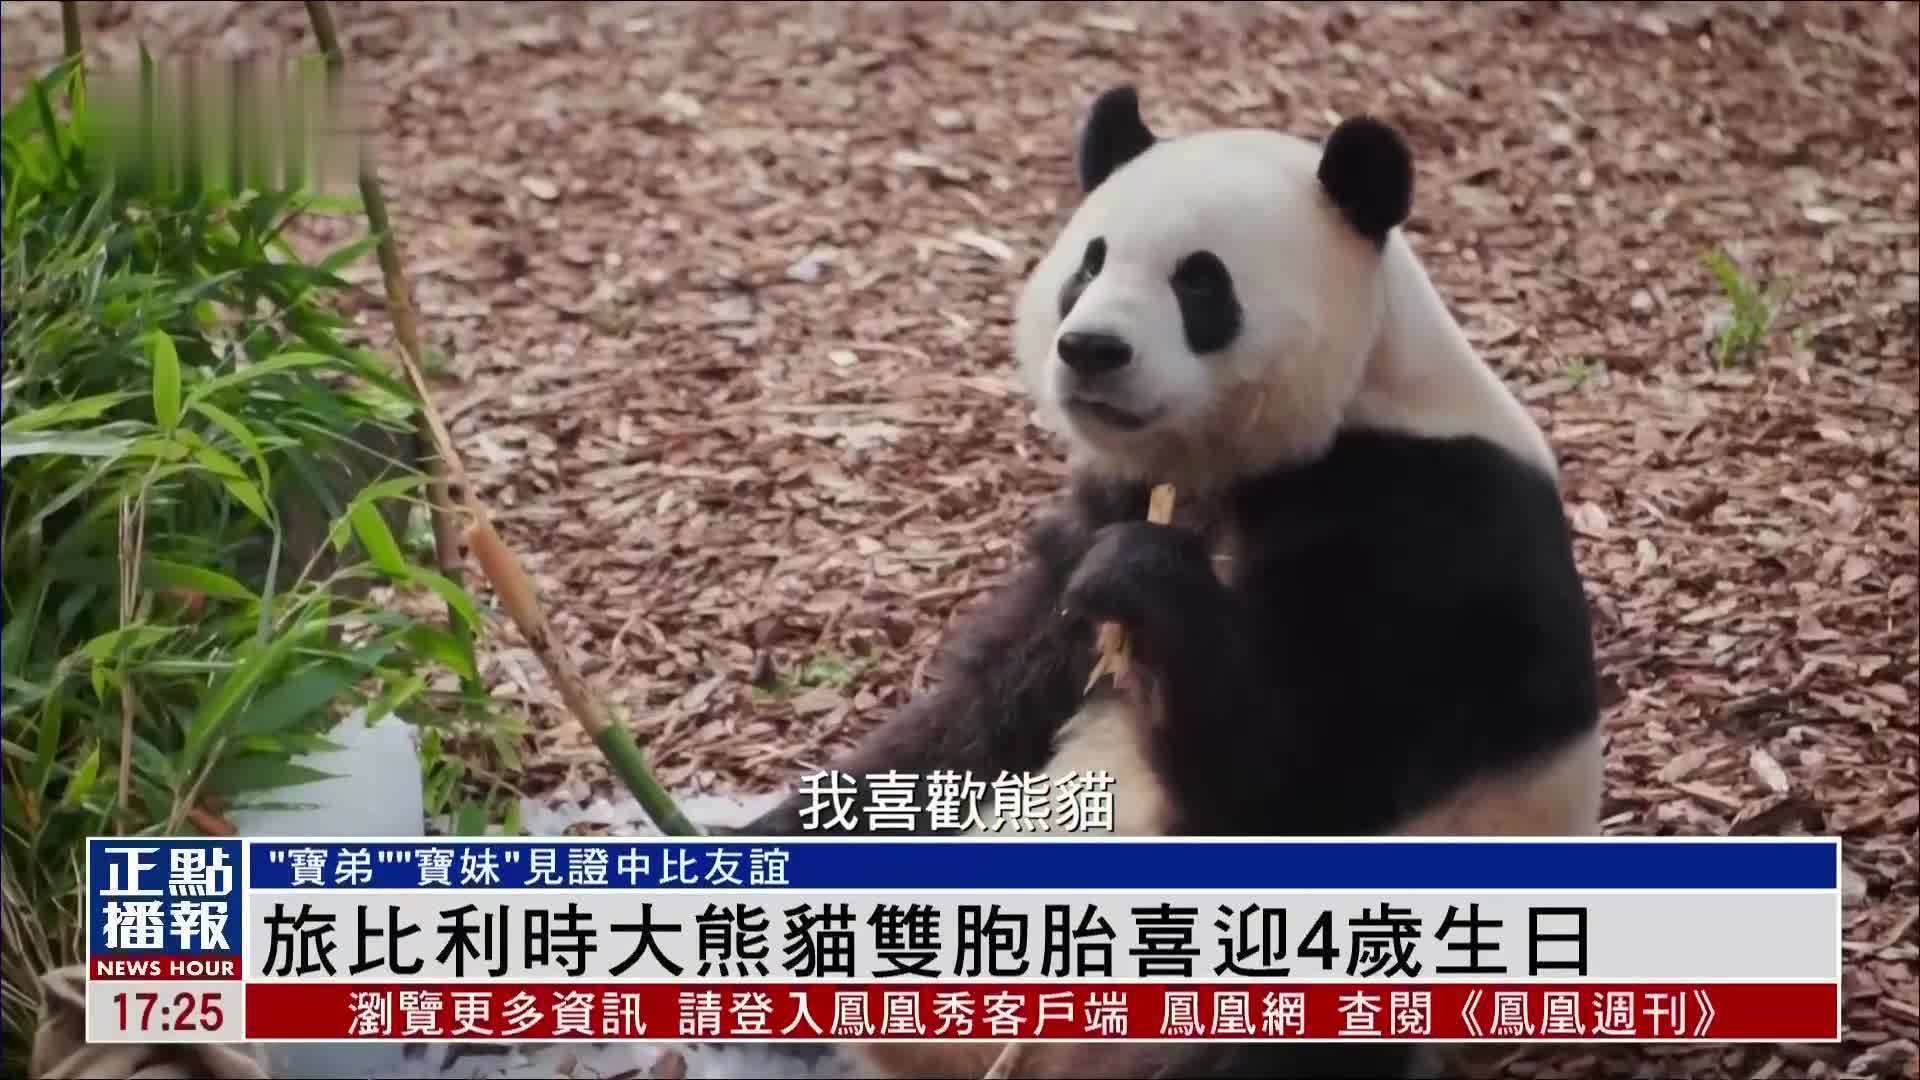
[(1094, 359)]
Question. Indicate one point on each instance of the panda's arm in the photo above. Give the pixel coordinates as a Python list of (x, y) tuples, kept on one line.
[(1011, 673), (1381, 648), (1195, 644)]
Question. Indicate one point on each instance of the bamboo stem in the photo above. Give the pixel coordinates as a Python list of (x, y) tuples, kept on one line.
[(502, 568), (70, 36), (399, 305), (615, 740), (428, 444)]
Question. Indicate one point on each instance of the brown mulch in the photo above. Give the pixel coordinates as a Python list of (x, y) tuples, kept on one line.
[(724, 290)]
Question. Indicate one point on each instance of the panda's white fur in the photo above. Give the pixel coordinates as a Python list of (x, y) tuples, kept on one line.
[(1338, 330)]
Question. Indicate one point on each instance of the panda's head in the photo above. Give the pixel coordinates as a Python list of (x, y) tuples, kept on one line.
[(1211, 305)]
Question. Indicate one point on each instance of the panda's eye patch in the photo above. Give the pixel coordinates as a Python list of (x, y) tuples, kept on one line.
[(1091, 262), (1202, 274), (1209, 311), (1095, 258)]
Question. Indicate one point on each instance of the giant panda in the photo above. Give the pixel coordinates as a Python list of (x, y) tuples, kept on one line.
[(1365, 618)]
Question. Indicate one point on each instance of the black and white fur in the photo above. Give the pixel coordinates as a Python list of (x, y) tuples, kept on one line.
[(1365, 619)]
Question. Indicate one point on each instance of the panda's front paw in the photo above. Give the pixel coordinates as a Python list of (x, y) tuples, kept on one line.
[(1155, 581)]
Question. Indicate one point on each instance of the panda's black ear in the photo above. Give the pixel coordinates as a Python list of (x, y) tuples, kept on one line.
[(1367, 170), (1113, 135)]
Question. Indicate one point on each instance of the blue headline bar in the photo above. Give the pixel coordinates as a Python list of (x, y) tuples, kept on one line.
[(999, 864)]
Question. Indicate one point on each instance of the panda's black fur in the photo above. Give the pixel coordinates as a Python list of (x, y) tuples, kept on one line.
[(1414, 600), (1403, 620)]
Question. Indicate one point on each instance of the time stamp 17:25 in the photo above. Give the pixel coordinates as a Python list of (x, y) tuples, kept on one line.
[(184, 1010)]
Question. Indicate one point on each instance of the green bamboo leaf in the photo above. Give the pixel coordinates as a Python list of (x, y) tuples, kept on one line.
[(14, 806), (391, 700), (22, 620), (166, 380), (391, 488), (258, 660), (109, 649), (149, 762), (69, 443), (155, 446), (242, 489), (21, 115), (374, 535), (49, 126), (216, 462), (452, 595), (98, 677), (81, 785), (230, 424), (296, 699), (283, 362), (470, 819), (260, 772), (65, 412), (335, 203), (125, 639), (346, 255), (164, 573), (52, 723), (435, 643)]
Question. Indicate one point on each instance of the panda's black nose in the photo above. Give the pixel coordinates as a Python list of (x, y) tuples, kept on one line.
[(1094, 354)]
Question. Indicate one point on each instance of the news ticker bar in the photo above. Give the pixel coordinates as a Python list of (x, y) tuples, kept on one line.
[(215, 938), (771, 1012)]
